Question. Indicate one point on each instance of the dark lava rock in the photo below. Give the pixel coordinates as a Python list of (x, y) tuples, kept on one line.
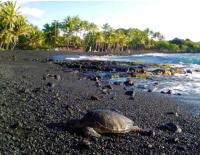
[(159, 71), (156, 83), (107, 86), (105, 91), (171, 127), (44, 78), (130, 93), (57, 77), (118, 83), (93, 97), (131, 98), (173, 140), (14, 125), (172, 113), (169, 92), (181, 148), (49, 84), (148, 133), (189, 71), (98, 84), (35, 90), (129, 82)]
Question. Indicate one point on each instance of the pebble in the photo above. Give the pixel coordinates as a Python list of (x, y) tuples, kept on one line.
[(44, 78), (130, 92), (172, 113), (94, 97), (182, 148), (169, 92), (172, 127), (117, 83), (129, 82), (150, 146), (105, 91), (107, 86), (98, 84), (49, 84), (173, 140), (14, 125), (57, 77), (148, 133), (189, 71)]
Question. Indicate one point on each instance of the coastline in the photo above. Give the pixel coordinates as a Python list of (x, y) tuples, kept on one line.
[(35, 107)]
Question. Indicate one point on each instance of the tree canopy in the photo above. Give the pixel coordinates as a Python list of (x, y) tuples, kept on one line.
[(75, 33)]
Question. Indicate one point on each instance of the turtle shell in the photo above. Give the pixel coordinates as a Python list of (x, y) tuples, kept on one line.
[(106, 121)]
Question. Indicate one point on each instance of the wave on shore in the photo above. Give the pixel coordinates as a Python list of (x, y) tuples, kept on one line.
[(185, 84)]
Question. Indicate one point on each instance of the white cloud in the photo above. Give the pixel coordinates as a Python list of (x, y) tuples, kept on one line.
[(173, 18), (31, 12)]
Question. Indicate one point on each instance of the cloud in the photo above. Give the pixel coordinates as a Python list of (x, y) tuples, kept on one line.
[(31, 12)]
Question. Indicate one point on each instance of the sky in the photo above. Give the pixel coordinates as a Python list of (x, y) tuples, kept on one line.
[(173, 18)]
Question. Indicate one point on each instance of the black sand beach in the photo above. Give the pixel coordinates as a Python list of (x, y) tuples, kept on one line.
[(37, 99)]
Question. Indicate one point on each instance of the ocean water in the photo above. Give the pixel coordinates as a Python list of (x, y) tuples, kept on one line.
[(187, 86)]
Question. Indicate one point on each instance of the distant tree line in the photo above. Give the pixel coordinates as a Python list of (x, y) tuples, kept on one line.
[(75, 33)]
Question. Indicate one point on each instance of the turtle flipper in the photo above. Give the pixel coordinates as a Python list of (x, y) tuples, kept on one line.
[(90, 132)]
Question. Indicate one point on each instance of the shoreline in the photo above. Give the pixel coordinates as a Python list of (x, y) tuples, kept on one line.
[(38, 98)]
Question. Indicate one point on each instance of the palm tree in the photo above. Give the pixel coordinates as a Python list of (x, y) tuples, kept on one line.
[(34, 39), (51, 33), (12, 25)]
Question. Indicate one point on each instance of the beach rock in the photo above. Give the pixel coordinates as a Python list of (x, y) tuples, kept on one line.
[(169, 92), (159, 71), (175, 70), (108, 87), (57, 77), (181, 148), (116, 82), (197, 70), (148, 133), (105, 91), (44, 78), (50, 84), (130, 93), (173, 140), (94, 97), (189, 71), (98, 84), (157, 83), (93, 78), (171, 127), (172, 113), (14, 125), (129, 82), (150, 146)]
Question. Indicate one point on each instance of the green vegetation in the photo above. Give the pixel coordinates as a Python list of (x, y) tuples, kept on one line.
[(73, 33)]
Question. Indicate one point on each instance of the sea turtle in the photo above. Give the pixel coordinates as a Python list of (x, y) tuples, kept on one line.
[(101, 121)]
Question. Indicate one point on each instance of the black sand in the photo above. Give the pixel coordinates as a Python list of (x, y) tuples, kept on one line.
[(35, 107)]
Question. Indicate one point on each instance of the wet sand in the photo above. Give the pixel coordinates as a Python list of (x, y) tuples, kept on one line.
[(37, 99)]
